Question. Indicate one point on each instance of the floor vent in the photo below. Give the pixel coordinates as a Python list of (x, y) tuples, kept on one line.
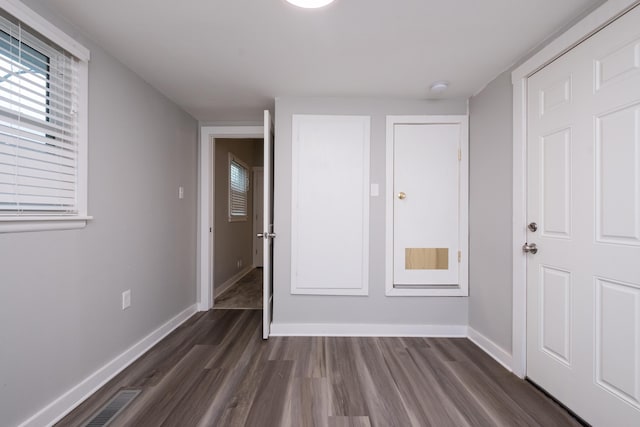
[(110, 411)]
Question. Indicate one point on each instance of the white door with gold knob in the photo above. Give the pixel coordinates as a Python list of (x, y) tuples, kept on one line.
[(427, 250)]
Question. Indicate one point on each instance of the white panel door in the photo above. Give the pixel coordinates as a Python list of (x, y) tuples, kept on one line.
[(427, 206), (426, 217), (330, 205), (268, 235), (583, 284)]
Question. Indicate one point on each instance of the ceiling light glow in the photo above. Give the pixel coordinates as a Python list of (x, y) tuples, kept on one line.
[(439, 86), (310, 4)]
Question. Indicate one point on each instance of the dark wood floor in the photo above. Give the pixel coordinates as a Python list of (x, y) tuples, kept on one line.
[(245, 294), (216, 371)]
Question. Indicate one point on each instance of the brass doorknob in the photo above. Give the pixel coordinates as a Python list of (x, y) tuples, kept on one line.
[(401, 195)]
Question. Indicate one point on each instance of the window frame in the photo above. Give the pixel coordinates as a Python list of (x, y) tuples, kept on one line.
[(238, 218), (33, 221)]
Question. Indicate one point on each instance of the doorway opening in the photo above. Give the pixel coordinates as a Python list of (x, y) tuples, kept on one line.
[(207, 206), (237, 218)]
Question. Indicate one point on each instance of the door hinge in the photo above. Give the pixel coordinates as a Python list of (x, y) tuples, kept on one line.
[(459, 256), (459, 154)]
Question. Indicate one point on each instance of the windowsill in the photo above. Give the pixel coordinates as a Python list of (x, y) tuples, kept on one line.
[(239, 219), (17, 224)]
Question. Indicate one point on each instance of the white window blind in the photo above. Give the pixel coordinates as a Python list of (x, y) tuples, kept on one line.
[(38, 123), (238, 189)]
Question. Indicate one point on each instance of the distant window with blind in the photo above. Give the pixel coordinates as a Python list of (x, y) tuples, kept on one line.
[(238, 189), (42, 136)]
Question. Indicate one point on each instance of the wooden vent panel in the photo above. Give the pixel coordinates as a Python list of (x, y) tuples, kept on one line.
[(426, 258)]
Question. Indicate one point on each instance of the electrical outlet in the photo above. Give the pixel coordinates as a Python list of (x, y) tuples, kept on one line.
[(126, 299), (181, 192)]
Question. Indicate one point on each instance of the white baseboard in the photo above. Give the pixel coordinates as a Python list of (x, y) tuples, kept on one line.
[(64, 404), (492, 349), (218, 290), (366, 330)]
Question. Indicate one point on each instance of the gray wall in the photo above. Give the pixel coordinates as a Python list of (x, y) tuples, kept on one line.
[(233, 240), (60, 291), (375, 308), (490, 205), (490, 209)]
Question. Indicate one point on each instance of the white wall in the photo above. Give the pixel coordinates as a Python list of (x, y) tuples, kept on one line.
[(490, 211), (60, 315), (375, 308)]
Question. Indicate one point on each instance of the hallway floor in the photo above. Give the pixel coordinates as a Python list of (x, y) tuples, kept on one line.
[(245, 294), (215, 370)]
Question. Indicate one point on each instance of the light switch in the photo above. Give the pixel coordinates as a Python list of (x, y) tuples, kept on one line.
[(126, 299), (375, 190), (181, 192)]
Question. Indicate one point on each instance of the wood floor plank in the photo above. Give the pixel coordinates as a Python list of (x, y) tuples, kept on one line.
[(345, 385), (270, 399), (308, 403), (383, 398), (215, 370), (190, 409), (239, 404), (433, 365), (154, 405), (349, 422), (519, 391), (309, 353), (426, 401), (245, 332), (495, 401), (231, 403)]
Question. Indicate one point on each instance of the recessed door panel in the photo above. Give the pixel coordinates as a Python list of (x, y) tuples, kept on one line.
[(618, 176), (556, 94), (618, 64), (555, 322), (618, 338), (555, 172)]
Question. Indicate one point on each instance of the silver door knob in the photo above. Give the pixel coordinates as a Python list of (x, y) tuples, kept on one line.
[(533, 227), (530, 248), (260, 235)]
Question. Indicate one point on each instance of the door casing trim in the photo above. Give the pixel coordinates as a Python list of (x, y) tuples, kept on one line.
[(585, 28)]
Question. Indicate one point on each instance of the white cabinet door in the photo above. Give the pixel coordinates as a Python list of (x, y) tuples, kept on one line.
[(583, 284), (428, 199)]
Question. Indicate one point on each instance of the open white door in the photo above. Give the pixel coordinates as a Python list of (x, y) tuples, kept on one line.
[(267, 235)]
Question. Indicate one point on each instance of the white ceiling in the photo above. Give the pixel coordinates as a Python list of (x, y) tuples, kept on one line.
[(226, 60)]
